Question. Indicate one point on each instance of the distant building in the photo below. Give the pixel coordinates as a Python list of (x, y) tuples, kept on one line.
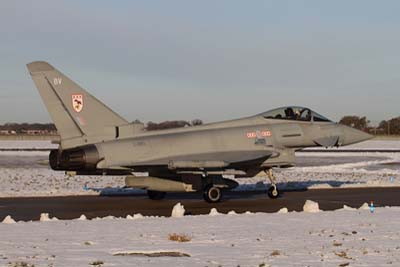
[(7, 132)]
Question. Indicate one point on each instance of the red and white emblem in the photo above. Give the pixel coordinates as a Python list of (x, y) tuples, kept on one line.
[(77, 102)]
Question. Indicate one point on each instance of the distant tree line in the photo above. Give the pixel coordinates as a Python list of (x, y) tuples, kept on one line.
[(386, 127), (152, 126), (49, 128), (24, 128)]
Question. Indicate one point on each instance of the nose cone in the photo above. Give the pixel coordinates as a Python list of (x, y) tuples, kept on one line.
[(352, 136)]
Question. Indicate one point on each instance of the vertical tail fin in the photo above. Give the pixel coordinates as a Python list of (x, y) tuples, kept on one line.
[(79, 117)]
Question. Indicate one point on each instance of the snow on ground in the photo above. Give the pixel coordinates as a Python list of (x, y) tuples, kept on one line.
[(327, 170), (26, 173), (391, 144), (334, 238), (29, 144)]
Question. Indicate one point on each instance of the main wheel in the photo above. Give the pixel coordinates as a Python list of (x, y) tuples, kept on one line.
[(155, 195), (273, 192), (212, 194)]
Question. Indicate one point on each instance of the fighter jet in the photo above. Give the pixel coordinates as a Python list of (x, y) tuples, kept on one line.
[(97, 141)]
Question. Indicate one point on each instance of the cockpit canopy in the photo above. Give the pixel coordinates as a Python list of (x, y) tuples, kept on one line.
[(294, 113)]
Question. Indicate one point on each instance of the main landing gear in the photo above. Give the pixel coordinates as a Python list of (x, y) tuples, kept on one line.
[(212, 194), (273, 191)]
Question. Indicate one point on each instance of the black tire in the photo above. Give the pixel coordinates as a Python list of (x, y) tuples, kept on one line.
[(156, 195), (212, 194), (273, 192)]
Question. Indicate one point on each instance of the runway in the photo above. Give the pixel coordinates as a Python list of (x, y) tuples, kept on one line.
[(100, 206)]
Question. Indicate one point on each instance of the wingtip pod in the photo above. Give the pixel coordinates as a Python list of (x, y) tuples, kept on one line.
[(39, 66)]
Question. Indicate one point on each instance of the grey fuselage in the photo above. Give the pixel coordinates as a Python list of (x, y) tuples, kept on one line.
[(251, 145), (96, 140)]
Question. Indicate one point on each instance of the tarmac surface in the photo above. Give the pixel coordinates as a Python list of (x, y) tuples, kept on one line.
[(69, 207)]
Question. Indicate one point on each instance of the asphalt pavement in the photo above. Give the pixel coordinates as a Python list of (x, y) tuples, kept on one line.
[(71, 207)]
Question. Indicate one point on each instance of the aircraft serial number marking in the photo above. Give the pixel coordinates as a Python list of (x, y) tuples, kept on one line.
[(258, 134), (57, 81)]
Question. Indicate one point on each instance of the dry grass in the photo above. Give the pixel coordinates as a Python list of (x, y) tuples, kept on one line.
[(20, 264), (343, 255), (337, 244), (153, 254), (275, 253), (179, 237), (96, 263)]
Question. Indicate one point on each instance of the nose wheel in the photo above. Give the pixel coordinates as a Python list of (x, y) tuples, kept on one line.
[(273, 191)]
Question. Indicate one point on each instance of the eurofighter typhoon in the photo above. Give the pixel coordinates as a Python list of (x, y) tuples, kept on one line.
[(97, 141)]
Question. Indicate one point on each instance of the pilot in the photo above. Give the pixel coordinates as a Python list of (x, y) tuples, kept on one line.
[(289, 113), (298, 114)]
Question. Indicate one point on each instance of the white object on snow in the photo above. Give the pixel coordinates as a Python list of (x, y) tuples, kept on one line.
[(109, 217), (364, 206), (82, 218), (44, 217), (283, 210), (345, 207), (8, 220), (232, 212), (178, 211), (214, 212), (311, 206), (137, 216)]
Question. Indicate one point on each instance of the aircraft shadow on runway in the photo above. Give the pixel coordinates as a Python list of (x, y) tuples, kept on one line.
[(242, 190)]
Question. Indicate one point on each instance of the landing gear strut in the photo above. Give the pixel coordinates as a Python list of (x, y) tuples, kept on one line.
[(272, 190), (212, 194), (156, 195)]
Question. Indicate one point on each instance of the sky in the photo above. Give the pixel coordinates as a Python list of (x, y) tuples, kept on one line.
[(212, 60)]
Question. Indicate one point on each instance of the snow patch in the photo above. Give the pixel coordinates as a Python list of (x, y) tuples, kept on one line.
[(320, 186), (134, 217), (345, 207), (138, 216), (364, 206), (214, 212), (178, 211), (8, 220), (44, 217), (232, 212), (109, 217), (311, 206), (82, 218), (283, 210)]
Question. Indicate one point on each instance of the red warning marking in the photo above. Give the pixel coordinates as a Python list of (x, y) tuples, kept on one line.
[(260, 134)]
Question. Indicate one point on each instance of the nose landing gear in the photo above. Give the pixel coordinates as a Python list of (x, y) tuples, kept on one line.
[(273, 191)]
